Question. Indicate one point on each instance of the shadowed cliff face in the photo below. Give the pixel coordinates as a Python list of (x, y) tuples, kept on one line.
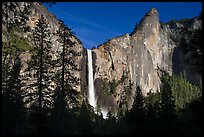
[(187, 56), (140, 56)]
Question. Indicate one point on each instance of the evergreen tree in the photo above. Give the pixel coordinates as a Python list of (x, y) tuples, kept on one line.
[(136, 116), (67, 63), (40, 62), (168, 110), (183, 91), (139, 103), (84, 123), (67, 97), (152, 101), (40, 70), (55, 117), (14, 21), (13, 109)]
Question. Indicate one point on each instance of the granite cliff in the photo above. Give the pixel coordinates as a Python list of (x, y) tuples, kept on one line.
[(140, 57)]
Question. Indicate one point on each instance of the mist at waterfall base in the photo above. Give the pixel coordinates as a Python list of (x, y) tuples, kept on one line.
[(91, 93)]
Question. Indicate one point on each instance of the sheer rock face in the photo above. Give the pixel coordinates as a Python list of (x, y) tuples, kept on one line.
[(142, 54)]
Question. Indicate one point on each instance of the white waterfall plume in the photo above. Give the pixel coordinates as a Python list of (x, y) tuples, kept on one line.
[(91, 95)]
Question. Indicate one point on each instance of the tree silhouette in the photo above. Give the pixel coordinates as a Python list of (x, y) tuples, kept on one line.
[(66, 96), (13, 110), (14, 20), (136, 116), (39, 68), (168, 109), (66, 61), (84, 123), (167, 100)]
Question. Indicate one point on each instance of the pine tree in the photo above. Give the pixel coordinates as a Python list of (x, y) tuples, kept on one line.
[(136, 116), (84, 123), (56, 117), (139, 104), (13, 109), (66, 61), (14, 21), (153, 105), (40, 70), (40, 62), (168, 111), (183, 91), (66, 94)]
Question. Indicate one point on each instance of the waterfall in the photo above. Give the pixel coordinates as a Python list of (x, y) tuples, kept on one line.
[(91, 95)]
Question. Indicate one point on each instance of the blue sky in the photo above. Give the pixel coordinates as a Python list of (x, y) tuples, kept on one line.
[(96, 22)]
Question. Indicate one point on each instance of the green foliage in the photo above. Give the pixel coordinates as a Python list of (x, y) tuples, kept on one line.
[(125, 95), (183, 91), (167, 99), (172, 105), (109, 88), (15, 46), (65, 97), (22, 43), (152, 98)]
